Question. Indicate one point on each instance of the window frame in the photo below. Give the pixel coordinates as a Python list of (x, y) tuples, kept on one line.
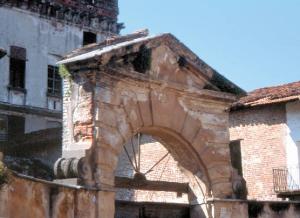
[(54, 89), (17, 68)]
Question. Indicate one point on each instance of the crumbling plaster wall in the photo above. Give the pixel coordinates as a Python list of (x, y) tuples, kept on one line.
[(30, 199), (45, 41), (106, 108), (35, 199)]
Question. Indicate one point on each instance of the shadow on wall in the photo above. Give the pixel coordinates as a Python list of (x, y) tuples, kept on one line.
[(266, 115), (43, 145)]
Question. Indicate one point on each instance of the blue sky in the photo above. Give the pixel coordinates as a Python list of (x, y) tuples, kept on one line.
[(254, 43)]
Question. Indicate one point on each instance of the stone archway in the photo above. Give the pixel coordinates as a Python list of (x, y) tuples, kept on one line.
[(152, 85), (150, 181)]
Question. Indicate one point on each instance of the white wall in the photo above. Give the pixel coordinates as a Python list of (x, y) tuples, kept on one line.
[(44, 41), (293, 139)]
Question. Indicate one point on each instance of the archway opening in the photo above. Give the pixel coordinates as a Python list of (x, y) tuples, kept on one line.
[(159, 174)]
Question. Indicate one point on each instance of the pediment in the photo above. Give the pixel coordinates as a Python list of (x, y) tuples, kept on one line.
[(162, 58)]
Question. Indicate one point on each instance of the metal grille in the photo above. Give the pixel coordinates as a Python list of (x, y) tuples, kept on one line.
[(286, 179)]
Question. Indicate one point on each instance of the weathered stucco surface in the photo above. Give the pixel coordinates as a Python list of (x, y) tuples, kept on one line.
[(30, 199), (147, 88), (46, 40)]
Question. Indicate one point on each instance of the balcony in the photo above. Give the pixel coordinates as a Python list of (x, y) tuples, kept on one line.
[(286, 182)]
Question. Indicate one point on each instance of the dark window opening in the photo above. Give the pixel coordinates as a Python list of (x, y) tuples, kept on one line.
[(236, 156), (54, 81), (16, 127), (89, 38), (17, 66), (239, 183)]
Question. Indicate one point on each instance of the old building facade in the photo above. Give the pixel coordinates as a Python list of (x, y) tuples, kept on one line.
[(35, 35), (127, 86), (146, 134), (265, 125)]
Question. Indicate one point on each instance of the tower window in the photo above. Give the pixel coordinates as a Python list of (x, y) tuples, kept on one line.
[(54, 81), (89, 38), (17, 66)]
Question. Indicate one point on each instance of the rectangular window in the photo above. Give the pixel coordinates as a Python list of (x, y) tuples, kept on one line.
[(17, 66), (89, 38), (54, 81)]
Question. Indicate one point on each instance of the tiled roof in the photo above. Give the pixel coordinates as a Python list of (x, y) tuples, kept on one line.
[(270, 95)]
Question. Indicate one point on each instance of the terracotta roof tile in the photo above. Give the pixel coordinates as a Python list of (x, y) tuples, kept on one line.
[(270, 95)]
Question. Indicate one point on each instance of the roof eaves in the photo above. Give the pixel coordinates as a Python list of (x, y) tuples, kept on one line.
[(101, 51)]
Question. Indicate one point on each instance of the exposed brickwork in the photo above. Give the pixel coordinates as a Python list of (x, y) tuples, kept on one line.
[(262, 131), (167, 170)]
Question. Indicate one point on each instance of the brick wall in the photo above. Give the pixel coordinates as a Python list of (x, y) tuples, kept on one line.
[(262, 131), (167, 170)]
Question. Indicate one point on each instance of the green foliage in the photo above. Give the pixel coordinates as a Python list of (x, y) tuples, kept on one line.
[(63, 72), (4, 174), (66, 75)]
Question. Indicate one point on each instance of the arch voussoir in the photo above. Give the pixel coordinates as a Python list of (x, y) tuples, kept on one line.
[(166, 110), (191, 127), (133, 114)]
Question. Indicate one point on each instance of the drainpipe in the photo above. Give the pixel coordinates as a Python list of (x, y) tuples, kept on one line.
[(2, 53)]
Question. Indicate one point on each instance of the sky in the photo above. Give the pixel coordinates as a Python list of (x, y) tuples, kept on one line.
[(254, 43)]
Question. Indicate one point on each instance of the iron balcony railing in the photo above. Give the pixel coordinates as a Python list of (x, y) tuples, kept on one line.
[(286, 179)]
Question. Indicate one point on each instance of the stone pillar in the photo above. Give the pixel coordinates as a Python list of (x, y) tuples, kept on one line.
[(82, 145), (106, 204), (105, 161)]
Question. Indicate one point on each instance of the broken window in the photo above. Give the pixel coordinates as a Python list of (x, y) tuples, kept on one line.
[(3, 128), (54, 81), (17, 66), (89, 38)]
